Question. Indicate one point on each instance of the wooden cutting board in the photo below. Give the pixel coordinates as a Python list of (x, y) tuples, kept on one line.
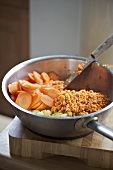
[(94, 149)]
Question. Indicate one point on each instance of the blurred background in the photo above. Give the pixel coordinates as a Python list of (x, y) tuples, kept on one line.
[(32, 28)]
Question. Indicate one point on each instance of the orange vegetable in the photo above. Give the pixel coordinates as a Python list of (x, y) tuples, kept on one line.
[(37, 77), (30, 91), (45, 77), (35, 99), (31, 78), (53, 76), (14, 87), (24, 99), (52, 92), (28, 85), (37, 105), (42, 106), (49, 101), (37, 91)]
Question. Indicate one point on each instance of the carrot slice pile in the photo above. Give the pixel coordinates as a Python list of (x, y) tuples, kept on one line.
[(37, 91)]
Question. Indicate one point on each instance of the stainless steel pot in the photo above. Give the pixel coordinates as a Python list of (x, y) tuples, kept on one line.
[(96, 77)]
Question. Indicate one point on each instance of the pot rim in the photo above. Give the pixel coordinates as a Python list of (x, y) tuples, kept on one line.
[(33, 60)]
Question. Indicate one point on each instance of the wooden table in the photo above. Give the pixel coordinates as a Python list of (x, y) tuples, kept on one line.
[(7, 161)]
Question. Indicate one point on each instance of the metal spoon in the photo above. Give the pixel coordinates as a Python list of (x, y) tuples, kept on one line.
[(94, 55)]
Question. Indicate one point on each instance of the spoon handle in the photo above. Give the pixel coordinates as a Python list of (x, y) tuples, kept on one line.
[(103, 47)]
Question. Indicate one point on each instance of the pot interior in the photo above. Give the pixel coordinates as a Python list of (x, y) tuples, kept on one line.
[(95, 77)]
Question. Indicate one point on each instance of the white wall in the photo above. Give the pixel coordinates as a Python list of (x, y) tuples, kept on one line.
[(73, 27)]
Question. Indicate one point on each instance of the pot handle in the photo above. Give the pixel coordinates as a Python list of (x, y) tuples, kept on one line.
[(93, 124)]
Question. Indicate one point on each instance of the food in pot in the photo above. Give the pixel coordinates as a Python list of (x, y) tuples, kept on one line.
[(80, 68), (44, 94), (79, 102)]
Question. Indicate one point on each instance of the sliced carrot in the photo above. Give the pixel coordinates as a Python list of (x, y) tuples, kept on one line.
[(53, 76), (37, 91), (31, 78), (52, 92), (14, 87), (30, 91), (37, 74), (20, 86), (45, 77), (37, 77), (42, 106), (49, 101), (27, 79), (35, 99), (28, 85), (24, 100), (37, 105), (19, 91), (14, 96)]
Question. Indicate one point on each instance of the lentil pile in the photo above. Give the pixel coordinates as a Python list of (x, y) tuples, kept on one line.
[(81, 102)]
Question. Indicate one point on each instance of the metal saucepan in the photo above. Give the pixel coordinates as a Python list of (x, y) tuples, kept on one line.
[(96, 77)]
